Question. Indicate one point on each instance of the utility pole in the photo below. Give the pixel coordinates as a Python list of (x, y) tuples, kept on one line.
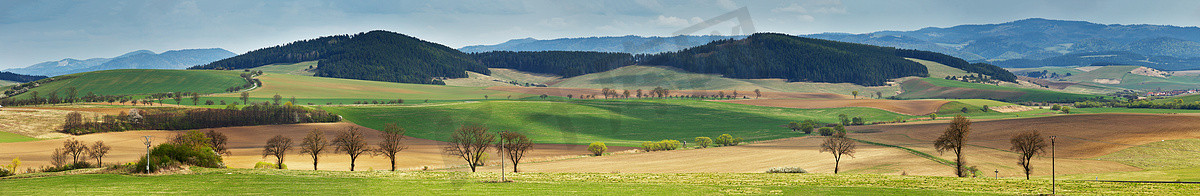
[(501, 151), (1053, 185), (147, 153)]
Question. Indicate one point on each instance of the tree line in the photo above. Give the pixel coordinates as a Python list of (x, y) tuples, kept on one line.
[(561, 63), (197, 119), (981, 68)]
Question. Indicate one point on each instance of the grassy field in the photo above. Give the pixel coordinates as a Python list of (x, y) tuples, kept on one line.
[(1120, 77), (6, 137), (141, 81), (1185, 98), (321, 90), (248, 181), (1130, 110), (938, 70), (942, 88), (293, 69), (623, 122), (1164, 155)]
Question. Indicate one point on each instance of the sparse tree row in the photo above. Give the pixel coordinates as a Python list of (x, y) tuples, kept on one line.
[(198, 119)]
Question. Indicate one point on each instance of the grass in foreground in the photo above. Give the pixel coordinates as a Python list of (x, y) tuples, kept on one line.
[(615, 122), (249, 181)]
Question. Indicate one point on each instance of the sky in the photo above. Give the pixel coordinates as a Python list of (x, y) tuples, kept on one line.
[(34, 31)]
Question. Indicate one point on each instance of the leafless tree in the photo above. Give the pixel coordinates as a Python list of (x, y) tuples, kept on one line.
[(470, 142), (98, 151), (953, 140), (277, 146), (75, 149), (1028, 143), (313, 144), (352, 142), (839, 145), (514, 145), (216, 141), (393, 142)]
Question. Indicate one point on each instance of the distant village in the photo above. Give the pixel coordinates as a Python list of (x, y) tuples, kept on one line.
[(1172, 92)]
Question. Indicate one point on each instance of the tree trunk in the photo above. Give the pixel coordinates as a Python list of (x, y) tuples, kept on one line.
[(514, 167), (393, 158), (351, 163), (958, 162), (314, 163), (837, 161), (280, 163)]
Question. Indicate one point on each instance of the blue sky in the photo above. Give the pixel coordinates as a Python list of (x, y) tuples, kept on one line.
[(33, 31)]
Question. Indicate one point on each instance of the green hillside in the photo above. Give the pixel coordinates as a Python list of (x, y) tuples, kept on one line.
[(1117, 77), (938, 70), (620, 122), (647, 77), (301, 68), (140, 81), (322, 89), (948, 89)]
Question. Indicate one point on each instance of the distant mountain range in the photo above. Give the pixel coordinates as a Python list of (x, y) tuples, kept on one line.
[(624, 44), (1038, 39), (141, 59)]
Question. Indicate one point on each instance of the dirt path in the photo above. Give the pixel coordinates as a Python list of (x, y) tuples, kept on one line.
[(910, 107)]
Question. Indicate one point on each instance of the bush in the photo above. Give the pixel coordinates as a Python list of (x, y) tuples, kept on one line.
[(79, 165), (661, 145), (703, 142), (857, 121), (727, 140), (5, 172), (172, 155), (793, 170), (825, 131), (1055, 107), (267, 165), (1065, 110), (597, 148)]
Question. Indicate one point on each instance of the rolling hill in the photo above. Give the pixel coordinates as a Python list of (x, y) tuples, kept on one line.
[(1114, 76), (138, 81), (141, 59), (375, 55), (18, 78), (930, 88)]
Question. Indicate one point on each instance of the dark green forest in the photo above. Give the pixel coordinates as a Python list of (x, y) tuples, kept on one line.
[(773, 55), (561, 63), (376, 55), (15, 77), (981, 68)]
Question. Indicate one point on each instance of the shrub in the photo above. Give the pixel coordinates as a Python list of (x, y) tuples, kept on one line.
[(1055, 107), (267, 165), (857, 121), (703, 142), (172, 155), (1065, 110), (839, 129), (825, 131), (726, 140), (794, 170), (597, 148), (661, 145)]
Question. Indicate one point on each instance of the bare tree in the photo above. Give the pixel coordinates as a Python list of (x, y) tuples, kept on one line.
[(393, 142), (514, 145), (313, 144), (953, 140), (1028, 143), (839, 145), (757, 93), (352, 142), (277, 146), (75, 149), (470, 142), (98, 151), (216, 141)]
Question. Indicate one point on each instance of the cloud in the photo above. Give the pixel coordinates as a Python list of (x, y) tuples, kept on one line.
[(672, 21), (827, 6), (794, 8), (806, 18), (727, 4), (554, 22)]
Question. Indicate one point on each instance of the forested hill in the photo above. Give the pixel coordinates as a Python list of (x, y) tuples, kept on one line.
[(15, 77), (981, 68), (773, 55), (561, 63), (376, 55)]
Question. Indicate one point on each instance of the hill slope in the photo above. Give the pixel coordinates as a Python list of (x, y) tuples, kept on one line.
[(928, 88), (375, 55), (771, 55), (141, 59), (138, 81)]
